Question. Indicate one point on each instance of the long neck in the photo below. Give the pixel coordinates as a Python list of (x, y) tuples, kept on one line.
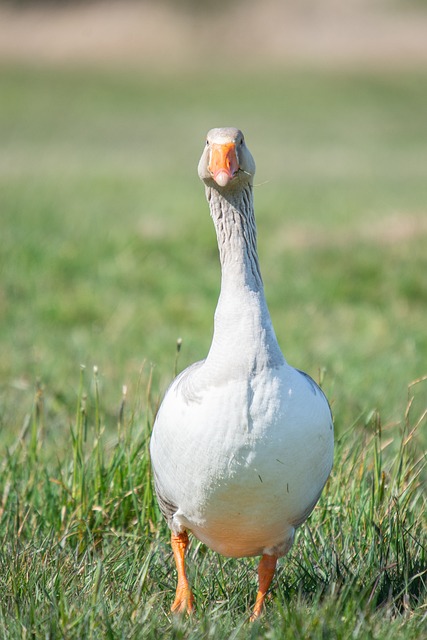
[(234, 222), (243, 337)]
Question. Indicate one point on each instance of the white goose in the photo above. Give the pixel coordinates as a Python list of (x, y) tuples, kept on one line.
[(242, 444)]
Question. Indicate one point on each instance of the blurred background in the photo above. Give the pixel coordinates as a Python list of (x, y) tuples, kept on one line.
[(190, 33), (107, 252)]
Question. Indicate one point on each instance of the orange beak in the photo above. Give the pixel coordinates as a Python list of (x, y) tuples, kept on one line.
[(223, 164)]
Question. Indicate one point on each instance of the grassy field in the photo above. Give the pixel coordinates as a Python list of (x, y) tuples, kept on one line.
[(108, 256)]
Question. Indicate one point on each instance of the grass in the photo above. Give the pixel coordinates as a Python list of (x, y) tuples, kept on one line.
[(99, 204), (84, 551)]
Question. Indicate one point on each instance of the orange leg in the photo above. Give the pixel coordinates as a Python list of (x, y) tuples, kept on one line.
[(266, 569), (184, 599)]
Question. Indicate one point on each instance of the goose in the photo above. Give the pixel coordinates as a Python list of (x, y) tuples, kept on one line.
[(242, 443)]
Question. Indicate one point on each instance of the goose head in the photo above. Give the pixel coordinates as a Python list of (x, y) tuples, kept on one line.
[(226, 161)]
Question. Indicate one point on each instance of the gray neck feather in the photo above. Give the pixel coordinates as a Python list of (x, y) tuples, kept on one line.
[(234, 220), (244, 339)]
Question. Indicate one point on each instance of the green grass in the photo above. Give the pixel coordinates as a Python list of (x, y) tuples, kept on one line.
[(107, 256), (84, 549)]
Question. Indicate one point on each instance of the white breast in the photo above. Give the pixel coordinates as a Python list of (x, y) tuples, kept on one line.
[(244, 461)]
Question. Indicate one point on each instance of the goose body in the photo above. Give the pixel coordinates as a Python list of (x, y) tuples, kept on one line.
[(242, 444)]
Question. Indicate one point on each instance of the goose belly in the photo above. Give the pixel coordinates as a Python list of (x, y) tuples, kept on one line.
[(245, 466)]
